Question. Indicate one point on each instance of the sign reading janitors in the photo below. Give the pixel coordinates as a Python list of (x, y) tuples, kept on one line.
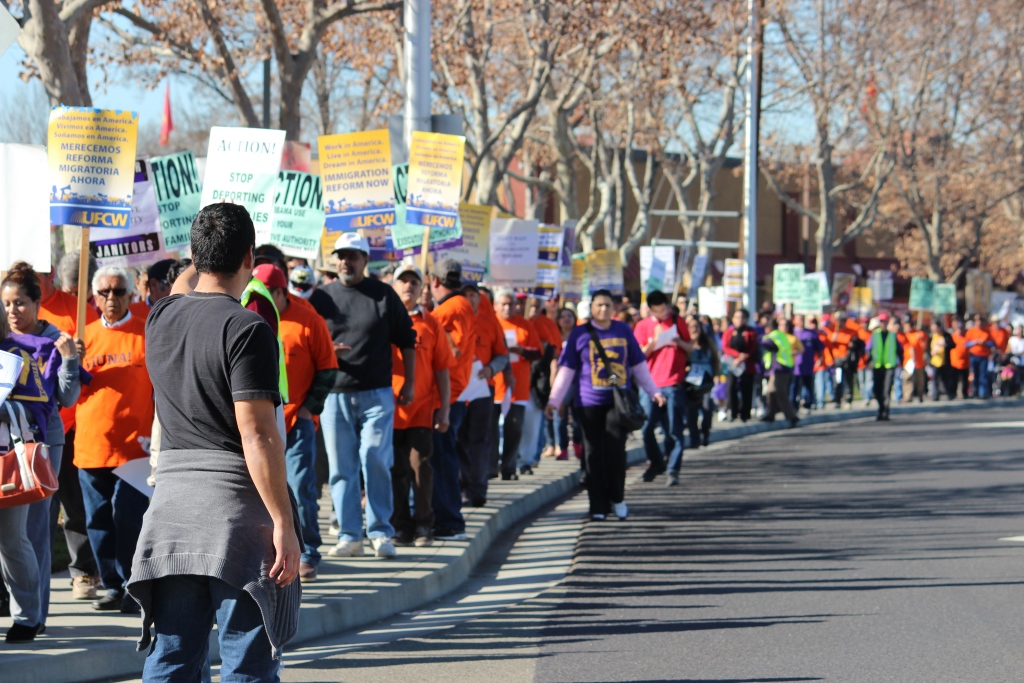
[(92, 166)]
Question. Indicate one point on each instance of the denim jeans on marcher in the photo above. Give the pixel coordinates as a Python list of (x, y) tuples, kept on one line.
[(113, 512), (184, 608), (358, 428), (979, 368), (444, 460), (300, 461), (672, 419), (822, 387)]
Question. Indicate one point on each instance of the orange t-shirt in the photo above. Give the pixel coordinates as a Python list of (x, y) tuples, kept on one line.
[(913, 348), (115, 411), (526, 339), (139, 309), (61, 310), (824, 359), (1001, 337), (433, 354), (548, 330), (490, 338), (308, 348), (455, 314), (958, 354), (838, 343), (980, 337)]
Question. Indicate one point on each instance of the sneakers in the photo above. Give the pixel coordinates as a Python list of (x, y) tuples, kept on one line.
[(562, 455), (20, 633), (577, 449), (621, 511), (307, 572), (673, 479), (451, 536), (83, 588), (526, 469), (383, 547), (334, 529), (111, 602), (347, 549), (424, 538), (597, 518)]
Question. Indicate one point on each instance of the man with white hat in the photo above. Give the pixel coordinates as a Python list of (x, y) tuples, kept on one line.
[(367, 317)]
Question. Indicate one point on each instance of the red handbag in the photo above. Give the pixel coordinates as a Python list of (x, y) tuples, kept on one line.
[(26, 474)]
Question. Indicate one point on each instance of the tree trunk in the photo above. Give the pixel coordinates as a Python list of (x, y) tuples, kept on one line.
[(45, 40)]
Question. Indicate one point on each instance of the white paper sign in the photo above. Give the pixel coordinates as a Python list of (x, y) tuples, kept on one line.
[(511, 342), (241, 167), (141, 244), (9, 29), (711, 301), (10, 368), (513, 252), (136, 473), (477, 387), (658, 268), (24, 206)]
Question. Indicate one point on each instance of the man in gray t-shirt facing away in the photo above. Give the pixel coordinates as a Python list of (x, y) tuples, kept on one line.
[(220, 538)]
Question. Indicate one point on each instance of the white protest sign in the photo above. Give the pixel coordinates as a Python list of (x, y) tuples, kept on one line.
[(241, 167), (142, 243), (711, 301), (9, 29), (699, 272), (658, 268), (513, 252), (10, 369), (24, 206)]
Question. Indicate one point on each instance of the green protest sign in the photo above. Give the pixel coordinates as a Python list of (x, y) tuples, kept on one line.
[(922, 294), (178, 195), (787, 283), (810, 301), (944, 299), (298, 214)]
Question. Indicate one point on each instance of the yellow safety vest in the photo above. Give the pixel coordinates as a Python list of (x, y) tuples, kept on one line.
[(257, 287), (884, 353), (784, 353)]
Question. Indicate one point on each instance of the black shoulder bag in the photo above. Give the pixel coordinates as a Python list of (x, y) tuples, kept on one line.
[(626, 412)]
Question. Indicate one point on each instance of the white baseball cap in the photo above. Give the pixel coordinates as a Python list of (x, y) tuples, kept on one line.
[(408, 268), (353, 241)]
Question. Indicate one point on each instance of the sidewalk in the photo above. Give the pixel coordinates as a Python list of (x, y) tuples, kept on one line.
[(82, 645)]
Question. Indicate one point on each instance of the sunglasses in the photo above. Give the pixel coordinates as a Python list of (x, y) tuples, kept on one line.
[(302, 286), (117, 291)]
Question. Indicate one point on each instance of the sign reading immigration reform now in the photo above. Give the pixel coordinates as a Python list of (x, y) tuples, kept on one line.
[(92, 166), (356, 172), (178, 193), (241, 167)]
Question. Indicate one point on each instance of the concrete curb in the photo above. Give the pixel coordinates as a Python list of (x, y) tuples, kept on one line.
[(98, 658)]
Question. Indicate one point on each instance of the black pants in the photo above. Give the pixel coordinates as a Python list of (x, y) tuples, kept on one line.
[(604, 450), (741, 395), (882, 391), (962, 379), (512, 434), (699, 410), (801, 390), (413, 448), (474, 447), (69, 496), (849, 375)]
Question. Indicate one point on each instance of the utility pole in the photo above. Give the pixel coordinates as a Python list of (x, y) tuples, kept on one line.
[(417, 67), (266, 92), (750, 167)]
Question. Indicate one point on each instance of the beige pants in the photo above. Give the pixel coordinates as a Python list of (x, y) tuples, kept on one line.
[(777, 397), (913, 385)]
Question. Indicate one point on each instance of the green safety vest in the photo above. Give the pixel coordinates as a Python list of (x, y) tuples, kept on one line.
[(784, 353), (884, 353), (257, 287)]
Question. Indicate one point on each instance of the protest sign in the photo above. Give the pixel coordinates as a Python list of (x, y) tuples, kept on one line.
[(697, 274), (787, 282), (92, 166), (604, 271), (922, 294), (142, 243), (944, 300), (24, 206), (860, 304), (810, 301), (880, 282), (711, 301), (822, 278), (298, 214), (472, 253), (734, 279), (513, 252), (549, 257), (10, 370), (435, 186), (241, 167), (842, 289), (978, 294), (572, 278), (178, 196), (999, 300), (9, 29), (356, 172), (658, 268)]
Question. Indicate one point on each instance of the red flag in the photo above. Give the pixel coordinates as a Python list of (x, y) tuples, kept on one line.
[(166, 122)]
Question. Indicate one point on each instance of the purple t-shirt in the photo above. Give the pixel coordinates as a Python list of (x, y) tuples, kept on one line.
[(580, 354)]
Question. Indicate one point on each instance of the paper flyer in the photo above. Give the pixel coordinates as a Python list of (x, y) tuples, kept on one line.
[(434, 191), (356, 172), (241, 167), (298, 214), (178, 196), (92, 166), (142, 243)]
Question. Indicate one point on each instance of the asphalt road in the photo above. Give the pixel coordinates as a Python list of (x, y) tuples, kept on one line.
[(844, 552)]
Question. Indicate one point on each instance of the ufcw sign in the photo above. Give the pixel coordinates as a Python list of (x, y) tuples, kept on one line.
[(105, 219)]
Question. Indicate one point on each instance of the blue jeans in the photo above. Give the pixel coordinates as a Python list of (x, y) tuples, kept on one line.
[(39, 526), (822, 387), (530, 444), (358, 429), (184, 608), (672, 419), (300, 459), (113, 520), (979, 368), (898, 381), (444, 460)]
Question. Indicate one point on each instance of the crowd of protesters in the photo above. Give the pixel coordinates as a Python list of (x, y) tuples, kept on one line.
[(405, 393)]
